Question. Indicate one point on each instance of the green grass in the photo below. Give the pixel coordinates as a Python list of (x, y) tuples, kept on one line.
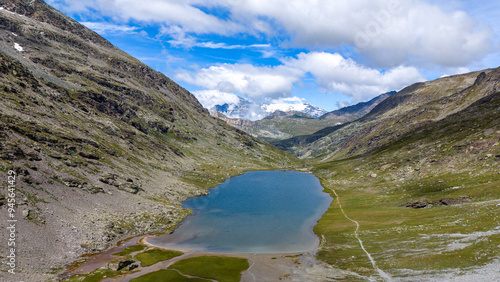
[(130, 249), (406, 238), (222, 269), (152, 256), (165, 275)]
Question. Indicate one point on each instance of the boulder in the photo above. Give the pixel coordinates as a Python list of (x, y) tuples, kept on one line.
[(130, 187), (116, 266), (419, 204)]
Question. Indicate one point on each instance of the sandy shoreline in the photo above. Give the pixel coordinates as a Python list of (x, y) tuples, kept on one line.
[(263, 267)]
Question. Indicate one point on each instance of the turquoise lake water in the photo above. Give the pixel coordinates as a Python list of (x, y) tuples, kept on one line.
[(257, 212)]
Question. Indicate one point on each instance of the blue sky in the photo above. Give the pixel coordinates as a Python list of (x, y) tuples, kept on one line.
[(329, 53)]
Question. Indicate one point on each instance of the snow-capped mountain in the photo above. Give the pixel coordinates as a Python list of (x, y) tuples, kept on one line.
[(252, 111), (241, 109), (305, 108)]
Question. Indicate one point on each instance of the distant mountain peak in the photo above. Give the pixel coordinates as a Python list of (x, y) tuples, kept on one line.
[(253, 111), (305, 108)]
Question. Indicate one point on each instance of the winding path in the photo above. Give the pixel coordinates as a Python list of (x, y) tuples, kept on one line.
[(249, 268), (383, 274)]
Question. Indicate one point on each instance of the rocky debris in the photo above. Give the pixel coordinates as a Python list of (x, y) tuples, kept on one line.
[(12, 153), (130, 187), (417, 205), (32, 156), (71, 164), (94, 190), (119, 265), (89, 155), (27, 213), (21, 171), (442, 202), (32, 167), (127, 264), (121, 183), (55, 156), (23, 201), (452, 201), (373, 175), (110, 179), (133, 266), (73, 182)]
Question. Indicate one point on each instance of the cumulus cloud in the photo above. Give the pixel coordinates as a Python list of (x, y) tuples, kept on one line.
[(170, 12), (245, 79), (388, 33), (332, 73), (103, 28), (335, 73), (210, 98), (181, 38), (285, 104)]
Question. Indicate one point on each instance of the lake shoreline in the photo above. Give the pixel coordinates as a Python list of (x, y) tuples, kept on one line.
[(275, 258)]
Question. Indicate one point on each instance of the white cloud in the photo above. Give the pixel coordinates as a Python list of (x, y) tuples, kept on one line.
[(332, 72), (210, 98), (103, 28), (170, 12), (285, 104), (335, 73), (181, 38), (388, 33), (245, 79)]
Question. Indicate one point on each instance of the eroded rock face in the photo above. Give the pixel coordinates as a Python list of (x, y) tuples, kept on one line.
[(122, 183), (442, 202), (452, 201), (417, 205)]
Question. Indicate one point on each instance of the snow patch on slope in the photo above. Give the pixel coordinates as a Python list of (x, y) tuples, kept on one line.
[(18, 47)]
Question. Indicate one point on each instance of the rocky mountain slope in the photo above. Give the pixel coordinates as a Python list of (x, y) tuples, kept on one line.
[(420, 174), (354, 112), (400, 114), (103, 146), (254, 128)]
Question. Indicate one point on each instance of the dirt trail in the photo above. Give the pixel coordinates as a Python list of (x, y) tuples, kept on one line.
[(382, 274)]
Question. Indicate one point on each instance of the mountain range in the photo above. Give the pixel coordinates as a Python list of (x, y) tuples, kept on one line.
[(280, 124)]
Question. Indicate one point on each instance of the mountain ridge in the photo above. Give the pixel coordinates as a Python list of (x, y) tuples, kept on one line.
[(394, 112)]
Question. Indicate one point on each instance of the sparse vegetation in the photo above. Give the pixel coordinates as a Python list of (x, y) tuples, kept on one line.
[(130, 249), (222, 269), (155, 255), (165, 275)]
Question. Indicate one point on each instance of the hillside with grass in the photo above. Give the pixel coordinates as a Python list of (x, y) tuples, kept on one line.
[(420, 175), (103, 147)]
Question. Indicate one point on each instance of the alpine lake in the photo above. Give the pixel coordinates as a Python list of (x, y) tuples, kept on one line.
[(257, 212)]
